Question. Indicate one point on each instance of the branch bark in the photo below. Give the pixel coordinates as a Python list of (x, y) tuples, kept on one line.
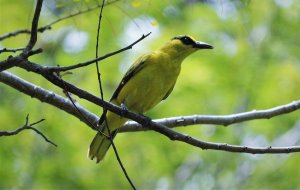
[(47, 96), (224, 120)]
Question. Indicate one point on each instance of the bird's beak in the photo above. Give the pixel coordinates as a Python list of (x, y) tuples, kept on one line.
[(202, 45)]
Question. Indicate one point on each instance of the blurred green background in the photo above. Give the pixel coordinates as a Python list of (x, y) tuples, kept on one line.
[(255, 65)]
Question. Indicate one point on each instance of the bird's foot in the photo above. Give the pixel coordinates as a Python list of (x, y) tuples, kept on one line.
[(124, 109)]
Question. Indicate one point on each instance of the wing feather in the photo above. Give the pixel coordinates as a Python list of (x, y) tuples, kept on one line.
[(133, 70), (169, 92)]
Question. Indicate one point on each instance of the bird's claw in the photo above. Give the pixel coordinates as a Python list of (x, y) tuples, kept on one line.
[(124, 109)]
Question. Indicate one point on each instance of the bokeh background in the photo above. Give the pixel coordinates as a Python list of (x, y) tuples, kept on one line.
[(255, 65)]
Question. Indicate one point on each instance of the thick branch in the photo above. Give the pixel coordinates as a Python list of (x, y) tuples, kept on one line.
[(10, 62), (217, 120), (47, 96)]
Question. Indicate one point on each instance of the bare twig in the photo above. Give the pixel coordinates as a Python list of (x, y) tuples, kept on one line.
[(97, 51), (92, 124), (101, 95), (27, 126), (81, 12), (15, 33), (14, 61), (13, 50), (67, 68), (49, 26), (173, 135), (34, 28)]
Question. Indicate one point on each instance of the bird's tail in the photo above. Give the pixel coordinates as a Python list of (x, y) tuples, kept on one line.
[(101, 144)]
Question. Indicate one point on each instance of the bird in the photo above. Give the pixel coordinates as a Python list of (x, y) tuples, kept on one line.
[(149, 80)]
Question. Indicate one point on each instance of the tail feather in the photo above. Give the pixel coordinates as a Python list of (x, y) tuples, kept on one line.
[(100, 146), (101, 142)]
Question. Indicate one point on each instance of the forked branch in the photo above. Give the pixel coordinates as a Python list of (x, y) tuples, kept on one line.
[(30, 127)]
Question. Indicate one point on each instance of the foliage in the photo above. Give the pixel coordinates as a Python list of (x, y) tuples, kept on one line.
[(254, 65)]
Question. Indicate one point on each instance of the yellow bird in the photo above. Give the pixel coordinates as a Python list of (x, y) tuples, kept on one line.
[(148, 81)]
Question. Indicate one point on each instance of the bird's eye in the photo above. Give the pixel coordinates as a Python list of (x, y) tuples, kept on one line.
[(187, 40)]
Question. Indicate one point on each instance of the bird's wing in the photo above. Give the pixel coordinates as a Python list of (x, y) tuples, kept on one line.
[(169, 92), (132, 71), (135, 68)]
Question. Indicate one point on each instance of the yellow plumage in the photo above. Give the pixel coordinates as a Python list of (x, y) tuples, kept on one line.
[(147, 82)]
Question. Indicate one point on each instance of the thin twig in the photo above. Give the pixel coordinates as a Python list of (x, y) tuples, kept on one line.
[(15, 33), (67, 68), (13, 50), (27, 126), (111, 138), (97, 51), (81, 12), (49, 26), (95, 127), (34, 28)]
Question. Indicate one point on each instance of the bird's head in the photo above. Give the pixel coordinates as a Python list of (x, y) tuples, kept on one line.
[(183, 46)]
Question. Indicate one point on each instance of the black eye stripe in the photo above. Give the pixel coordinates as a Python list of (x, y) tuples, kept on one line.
[(185, 39)]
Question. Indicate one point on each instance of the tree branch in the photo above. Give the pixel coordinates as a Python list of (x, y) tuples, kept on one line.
[(49, 26), (27, 126), (145, 121), (10, 62), (47, 96), (15, 33), (34, 28), (64, 104), (66, 68), (224, 120), (13, 50)]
